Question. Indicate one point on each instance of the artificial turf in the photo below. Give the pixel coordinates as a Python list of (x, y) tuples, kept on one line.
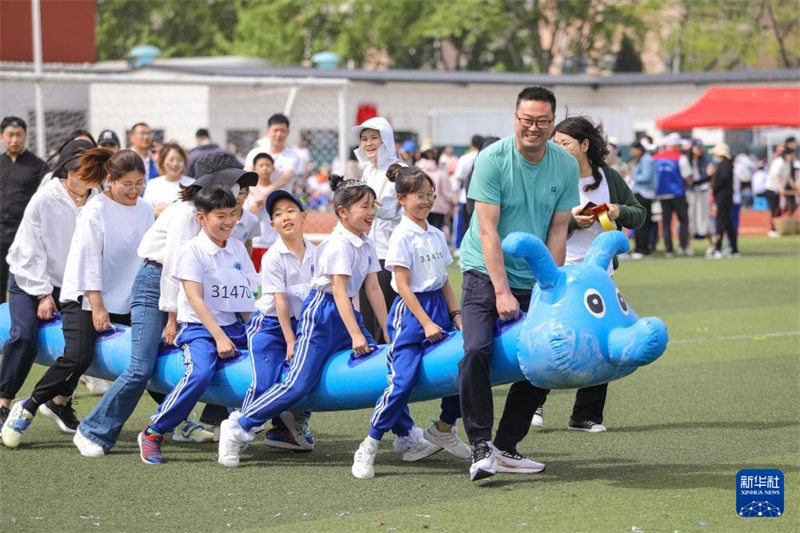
[(725, 396)]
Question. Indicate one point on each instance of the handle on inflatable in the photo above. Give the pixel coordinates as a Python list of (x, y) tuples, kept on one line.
[(110, 333), (501, 326), (356, 360), (427, 346)]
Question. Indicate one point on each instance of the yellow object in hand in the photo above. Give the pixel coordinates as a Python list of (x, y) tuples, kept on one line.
[(605, 221)]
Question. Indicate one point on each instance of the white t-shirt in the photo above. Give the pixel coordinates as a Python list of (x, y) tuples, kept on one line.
[(102, 256), (343, 253), (463, 168), (227, 276), (247, 227), (423, 251), (160, 191), (287, 160), (779, 173), (163, 241), (578, 241), (38, 256), (282, 271)]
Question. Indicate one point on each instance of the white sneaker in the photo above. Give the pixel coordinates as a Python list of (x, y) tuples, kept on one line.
[(448, 440), (233, 440), (483, 462), (513, 462), (773, 234), (538, 417), (414, 446), (689, 252), (96, 386), (87, 447), (17, 422), (364, 459)]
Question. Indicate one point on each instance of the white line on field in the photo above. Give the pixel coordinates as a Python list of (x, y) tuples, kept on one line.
[(755, 336)]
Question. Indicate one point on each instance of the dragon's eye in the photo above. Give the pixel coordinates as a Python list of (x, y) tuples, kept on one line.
[(594, 303), (622, 303)]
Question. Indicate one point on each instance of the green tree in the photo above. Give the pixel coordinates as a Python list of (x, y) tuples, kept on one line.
[(727, 34), (179, 28)]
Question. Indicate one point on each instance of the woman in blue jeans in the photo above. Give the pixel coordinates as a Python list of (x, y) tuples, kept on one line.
[(154, 290)]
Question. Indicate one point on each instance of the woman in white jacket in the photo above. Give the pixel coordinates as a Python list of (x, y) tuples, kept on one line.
[(99, 271), (37, 259), (376, 152)]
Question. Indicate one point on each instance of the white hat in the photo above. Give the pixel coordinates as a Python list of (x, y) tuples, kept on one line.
[(647, 145), (721, 149), (674, 139)]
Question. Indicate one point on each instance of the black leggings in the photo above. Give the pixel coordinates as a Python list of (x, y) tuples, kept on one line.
[(62, 378), (725, 225)]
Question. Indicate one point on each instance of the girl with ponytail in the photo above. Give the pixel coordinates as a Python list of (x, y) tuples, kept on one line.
[(100, 268), (417, 256), (328, 322)]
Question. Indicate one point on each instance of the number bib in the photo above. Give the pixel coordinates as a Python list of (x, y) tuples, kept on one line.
[(228, 289), (430, 262)]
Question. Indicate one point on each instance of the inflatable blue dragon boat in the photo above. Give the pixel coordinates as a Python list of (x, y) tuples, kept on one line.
[(579, 331)]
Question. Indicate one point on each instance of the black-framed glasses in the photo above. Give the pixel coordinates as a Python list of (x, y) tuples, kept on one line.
[(541, 123)]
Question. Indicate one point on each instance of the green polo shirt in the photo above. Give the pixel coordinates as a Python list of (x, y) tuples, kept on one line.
[(528, 194)]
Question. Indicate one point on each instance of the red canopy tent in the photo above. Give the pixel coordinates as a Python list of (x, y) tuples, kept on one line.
[(747, 107)]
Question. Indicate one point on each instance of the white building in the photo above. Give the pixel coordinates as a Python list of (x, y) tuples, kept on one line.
[(234, 98)]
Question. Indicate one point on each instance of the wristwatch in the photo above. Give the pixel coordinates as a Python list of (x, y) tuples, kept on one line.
[(42, 297)]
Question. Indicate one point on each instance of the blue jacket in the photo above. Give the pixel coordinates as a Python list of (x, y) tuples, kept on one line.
[(668, 174), (644, 174)]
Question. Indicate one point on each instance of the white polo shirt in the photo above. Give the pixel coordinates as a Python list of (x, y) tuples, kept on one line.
[(346, 254), (282, 271), (102, 256), (423, 252), (227, 275), (246, 227)]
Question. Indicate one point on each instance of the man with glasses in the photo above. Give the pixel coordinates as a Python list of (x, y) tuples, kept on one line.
[(521, 183), (141, 138)]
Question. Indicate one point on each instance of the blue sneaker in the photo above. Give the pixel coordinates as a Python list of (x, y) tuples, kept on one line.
[(17, 422), (150, 446), (282, 439)]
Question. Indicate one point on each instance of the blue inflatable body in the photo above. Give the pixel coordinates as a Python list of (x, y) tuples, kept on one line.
[(579, 332)]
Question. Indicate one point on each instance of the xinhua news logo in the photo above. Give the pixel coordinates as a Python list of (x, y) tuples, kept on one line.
[(759, 493)]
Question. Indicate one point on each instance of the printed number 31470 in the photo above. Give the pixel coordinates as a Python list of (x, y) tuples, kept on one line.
[(236, 291)]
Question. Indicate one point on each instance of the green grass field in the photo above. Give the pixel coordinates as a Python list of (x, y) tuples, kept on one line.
[(725, 396)]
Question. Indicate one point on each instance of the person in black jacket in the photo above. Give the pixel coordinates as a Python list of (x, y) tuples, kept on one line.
[(20, 174), (722, 185)]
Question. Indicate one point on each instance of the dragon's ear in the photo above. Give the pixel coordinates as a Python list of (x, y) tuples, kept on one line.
[(532, 249), (605, 246)]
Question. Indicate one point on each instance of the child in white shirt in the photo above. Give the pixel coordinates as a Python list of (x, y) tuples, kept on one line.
[(426, 307), (216, 276), (328, 322), (285, 284)]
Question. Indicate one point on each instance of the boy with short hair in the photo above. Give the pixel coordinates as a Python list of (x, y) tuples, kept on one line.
[(286, 272), (216, 277)]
